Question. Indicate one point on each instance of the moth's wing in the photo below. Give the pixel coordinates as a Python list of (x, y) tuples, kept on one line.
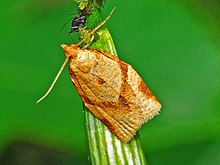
[(122, 105), (136, 101), (123, 117), (133, 88), (120, 128), (110, 113), (77, 86)]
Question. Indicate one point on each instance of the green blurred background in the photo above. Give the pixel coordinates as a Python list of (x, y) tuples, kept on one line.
[(175, 47)]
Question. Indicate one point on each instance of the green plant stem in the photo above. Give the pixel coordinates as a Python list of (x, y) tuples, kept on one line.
[(104, 147)]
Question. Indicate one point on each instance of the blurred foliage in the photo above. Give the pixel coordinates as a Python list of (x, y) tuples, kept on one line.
[(174, 45)]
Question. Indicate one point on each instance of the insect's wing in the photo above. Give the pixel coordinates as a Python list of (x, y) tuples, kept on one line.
[(116, 95)]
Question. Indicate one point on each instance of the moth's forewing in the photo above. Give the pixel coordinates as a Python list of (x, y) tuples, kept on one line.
[(113, 91)]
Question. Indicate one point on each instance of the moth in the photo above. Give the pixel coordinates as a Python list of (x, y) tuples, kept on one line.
[(110, 88)]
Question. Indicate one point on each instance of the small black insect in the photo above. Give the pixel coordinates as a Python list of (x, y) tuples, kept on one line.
[(78, 22)]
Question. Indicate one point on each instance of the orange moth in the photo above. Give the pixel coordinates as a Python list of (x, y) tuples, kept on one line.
[(110, 88)]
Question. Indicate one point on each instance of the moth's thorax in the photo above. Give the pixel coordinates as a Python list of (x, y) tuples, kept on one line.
[(83, 60)]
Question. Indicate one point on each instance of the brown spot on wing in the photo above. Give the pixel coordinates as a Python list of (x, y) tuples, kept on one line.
[(100, 80), (123, 102)]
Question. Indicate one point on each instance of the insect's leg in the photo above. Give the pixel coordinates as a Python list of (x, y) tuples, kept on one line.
[(85, 46)]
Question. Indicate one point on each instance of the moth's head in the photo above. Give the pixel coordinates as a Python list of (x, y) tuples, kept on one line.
[(70, 51)]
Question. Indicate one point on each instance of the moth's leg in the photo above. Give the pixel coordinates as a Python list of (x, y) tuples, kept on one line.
[(92, 38)]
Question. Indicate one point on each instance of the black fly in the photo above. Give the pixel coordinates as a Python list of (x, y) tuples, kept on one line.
[(78, 22)]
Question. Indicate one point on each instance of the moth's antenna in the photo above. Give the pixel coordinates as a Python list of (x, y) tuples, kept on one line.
[(97, 27), (54, 81), (65, 24), (67, 21)]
